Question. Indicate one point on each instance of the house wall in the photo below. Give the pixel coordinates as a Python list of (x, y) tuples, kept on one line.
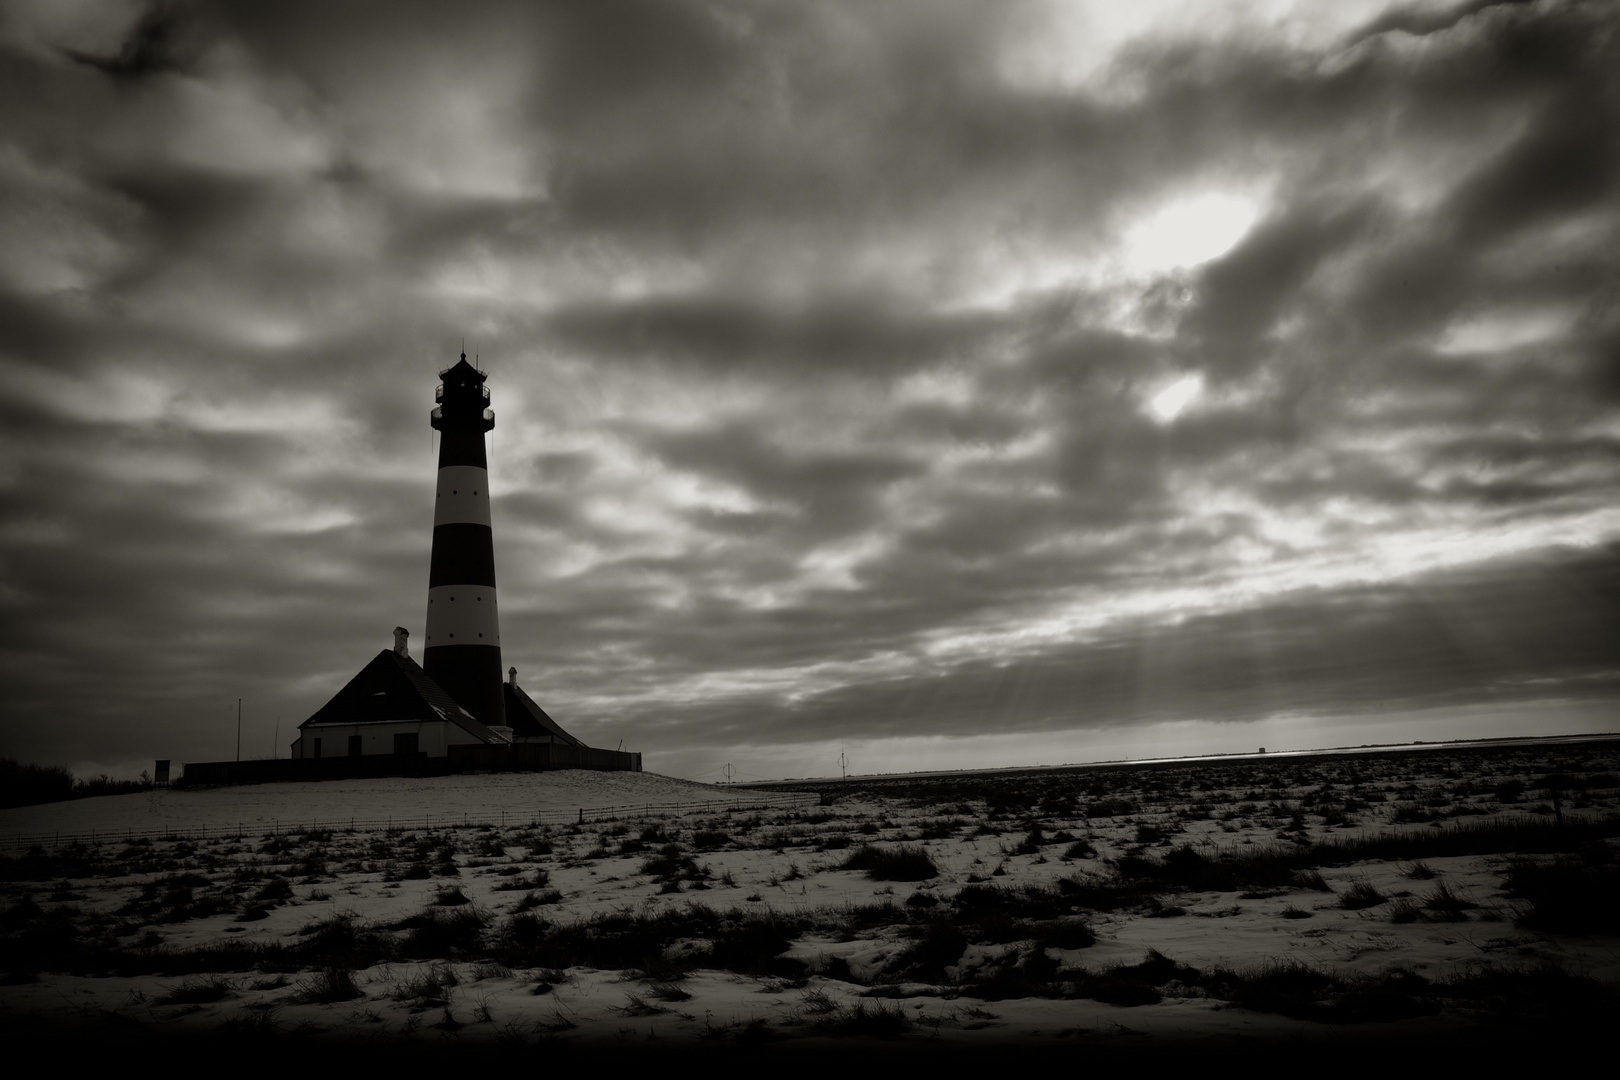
[(433, 738)]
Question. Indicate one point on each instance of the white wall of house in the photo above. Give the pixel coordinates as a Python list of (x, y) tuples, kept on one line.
[(433, 737)]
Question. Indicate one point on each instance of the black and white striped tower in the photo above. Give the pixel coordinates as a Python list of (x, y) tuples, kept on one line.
[(463, 648)]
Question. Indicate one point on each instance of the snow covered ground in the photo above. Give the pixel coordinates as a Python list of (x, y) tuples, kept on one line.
[(549, 797), (1196, 902)]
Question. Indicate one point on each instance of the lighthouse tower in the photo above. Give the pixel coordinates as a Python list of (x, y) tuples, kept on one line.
[(462, 651)]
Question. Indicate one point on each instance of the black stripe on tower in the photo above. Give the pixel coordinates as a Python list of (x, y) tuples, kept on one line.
[(462, 444), (463, 653), (465, 672), (463, 554)]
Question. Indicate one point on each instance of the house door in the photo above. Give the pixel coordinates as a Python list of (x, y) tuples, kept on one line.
[(354, 745)]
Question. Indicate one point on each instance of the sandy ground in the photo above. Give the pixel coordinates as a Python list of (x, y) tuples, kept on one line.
[(786, 863)]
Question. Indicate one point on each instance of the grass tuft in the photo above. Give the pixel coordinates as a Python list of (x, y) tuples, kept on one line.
[(1361, 895), (902, 863)]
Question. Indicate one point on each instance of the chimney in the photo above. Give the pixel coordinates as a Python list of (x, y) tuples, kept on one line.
[(511, 677), (400, 647)]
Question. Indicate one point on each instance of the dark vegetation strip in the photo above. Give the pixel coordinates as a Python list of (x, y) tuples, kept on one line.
[(1190, 867), (27, 785), (1034, 923), (1570, 894)]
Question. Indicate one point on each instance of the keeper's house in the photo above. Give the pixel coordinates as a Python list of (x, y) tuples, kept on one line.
[(392, 707)]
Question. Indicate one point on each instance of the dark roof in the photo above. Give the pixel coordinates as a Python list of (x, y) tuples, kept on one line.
[(462, 370), (394, 689), (528, 720)]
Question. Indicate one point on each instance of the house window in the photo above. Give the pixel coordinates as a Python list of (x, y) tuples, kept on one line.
[(405, 744)]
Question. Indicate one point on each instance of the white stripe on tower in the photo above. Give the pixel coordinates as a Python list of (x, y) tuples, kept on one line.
[(463, 496)]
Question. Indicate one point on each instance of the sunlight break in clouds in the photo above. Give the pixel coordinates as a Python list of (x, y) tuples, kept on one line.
[(1187, 231), (1169, 403)]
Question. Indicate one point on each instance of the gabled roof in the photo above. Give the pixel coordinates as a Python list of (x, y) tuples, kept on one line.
[(394, 689), (528, 720)]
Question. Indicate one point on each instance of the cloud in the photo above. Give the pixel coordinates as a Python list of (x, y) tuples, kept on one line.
[(825, 355)]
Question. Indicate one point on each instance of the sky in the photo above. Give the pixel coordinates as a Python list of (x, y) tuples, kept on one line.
[(880, 385)]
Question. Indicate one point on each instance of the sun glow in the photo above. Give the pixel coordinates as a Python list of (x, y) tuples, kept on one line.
[(1176, 398), (1187, 231)]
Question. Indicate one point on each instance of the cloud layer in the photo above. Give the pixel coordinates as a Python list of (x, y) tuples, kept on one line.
[(864, 372)]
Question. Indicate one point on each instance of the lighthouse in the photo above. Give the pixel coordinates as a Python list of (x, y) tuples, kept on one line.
[(462, 650), (453, 712)]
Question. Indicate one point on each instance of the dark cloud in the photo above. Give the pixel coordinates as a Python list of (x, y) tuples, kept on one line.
[(1424, 20), (1241, 297), (859, 335), (154, 46), (1565, 164)]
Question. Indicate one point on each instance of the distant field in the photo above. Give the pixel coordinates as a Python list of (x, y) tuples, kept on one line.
[(434, 802), (1462, 894)]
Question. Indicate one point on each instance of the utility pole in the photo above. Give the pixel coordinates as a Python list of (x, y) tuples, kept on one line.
[(843, 764), (238, 729), (729, 772)]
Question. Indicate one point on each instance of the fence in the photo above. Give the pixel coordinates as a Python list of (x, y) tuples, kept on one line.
[(539, 757), (426, 822), (521, 757)]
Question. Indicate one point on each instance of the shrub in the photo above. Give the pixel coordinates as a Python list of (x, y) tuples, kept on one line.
[(940, 946), (1031, 844), (1403, 911), (877, 1021), (1446, 904), (1289, 989), (1130, 985), (670, 864), (274, 890), (903, 863), (252, 912), (329, 985), (25, 785), (1311, 879), (533, 900), (197, 992), (537, 880), (339, 941), (1566, 896), (1360, 895), (437, 932)]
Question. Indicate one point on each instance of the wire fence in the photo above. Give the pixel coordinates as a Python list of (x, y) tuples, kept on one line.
[(426, 822)]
